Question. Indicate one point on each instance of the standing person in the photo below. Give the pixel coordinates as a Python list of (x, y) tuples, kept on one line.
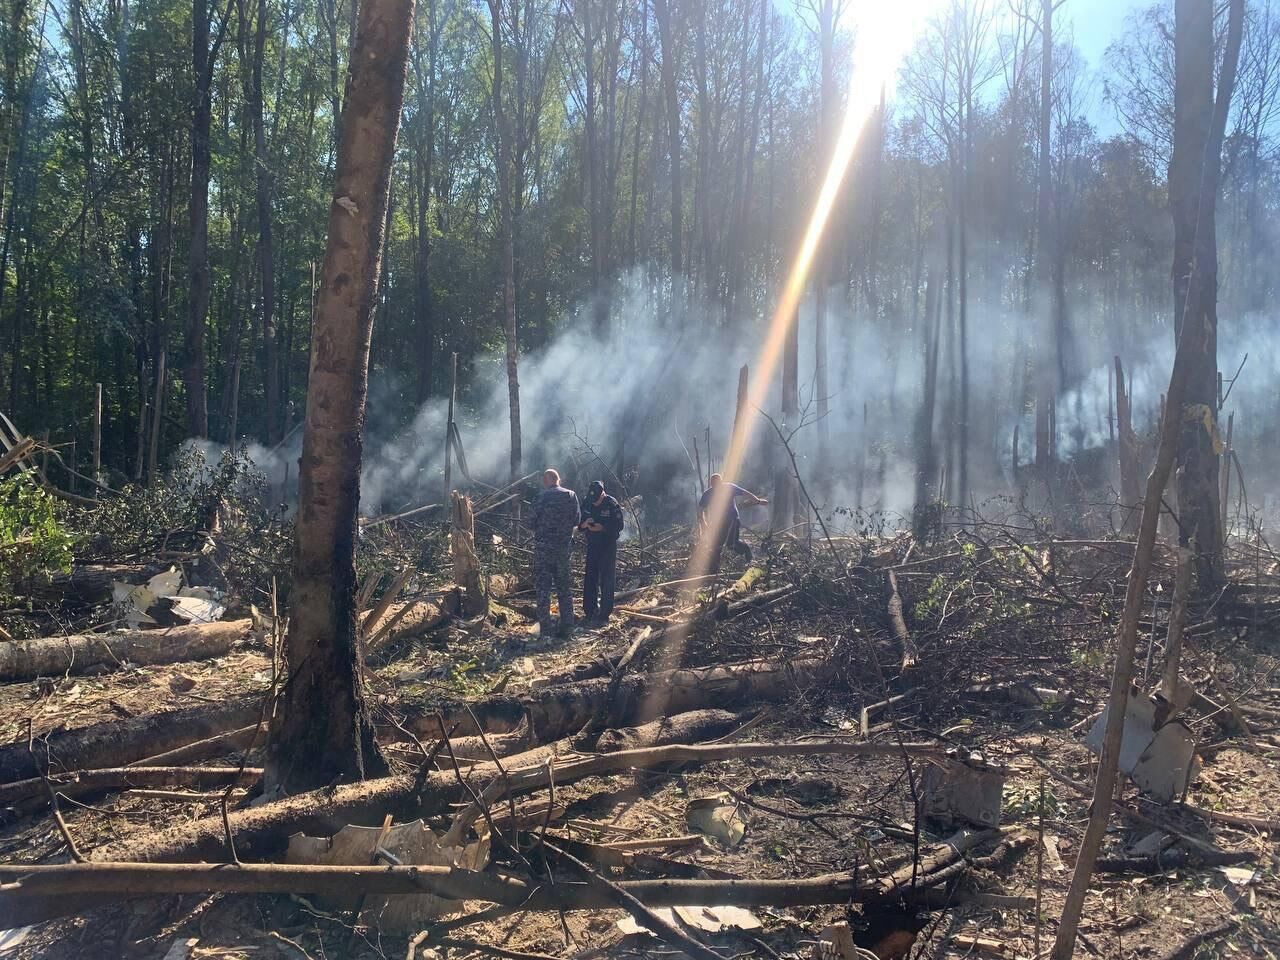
[(601, 522), (554, 516), (718, 518)]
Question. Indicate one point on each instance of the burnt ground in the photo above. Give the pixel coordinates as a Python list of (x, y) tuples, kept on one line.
[(1014, 641)]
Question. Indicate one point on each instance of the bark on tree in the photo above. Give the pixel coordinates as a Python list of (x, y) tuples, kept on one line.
[(203, 59), (506, 234), (662, 11), (266, 258), (1046, 368), (425, 146), (1194, 173), (322, 730)]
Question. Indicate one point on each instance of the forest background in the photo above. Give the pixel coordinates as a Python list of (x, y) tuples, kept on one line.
[(612, 211)]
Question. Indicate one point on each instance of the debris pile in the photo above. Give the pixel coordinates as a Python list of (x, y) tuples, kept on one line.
[(821, 754)]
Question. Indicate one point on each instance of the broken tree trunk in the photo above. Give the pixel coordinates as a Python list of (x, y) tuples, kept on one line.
[(466, 564), (121, 742), (75, 654), (910, 654)]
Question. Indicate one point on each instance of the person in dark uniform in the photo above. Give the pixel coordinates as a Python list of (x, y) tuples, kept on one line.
[(602, 523), (718, 518), (554, 516)]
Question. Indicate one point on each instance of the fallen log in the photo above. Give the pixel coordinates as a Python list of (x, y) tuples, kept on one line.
[(742, 586), (696, 726), (552, 713), (121, 742), (32, 893), (28, 659), (113, 779), (261, 832)]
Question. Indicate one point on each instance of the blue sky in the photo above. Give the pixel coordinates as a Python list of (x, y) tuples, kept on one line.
[(1096, 23)]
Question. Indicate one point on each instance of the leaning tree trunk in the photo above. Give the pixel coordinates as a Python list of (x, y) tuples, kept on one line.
[(322, 730), (1194, 172)]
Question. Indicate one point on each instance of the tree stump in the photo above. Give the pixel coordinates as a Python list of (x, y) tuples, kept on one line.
[(466, 563)]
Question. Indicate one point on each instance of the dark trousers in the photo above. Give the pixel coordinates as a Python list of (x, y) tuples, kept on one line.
[(727, 534), (602, 562), (551, 571)]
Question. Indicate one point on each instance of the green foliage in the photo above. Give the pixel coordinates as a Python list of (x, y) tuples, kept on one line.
[(1025, 802), (33, 539), (174, 513)]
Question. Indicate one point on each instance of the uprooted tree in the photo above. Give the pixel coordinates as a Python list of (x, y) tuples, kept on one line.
[(322, 730)]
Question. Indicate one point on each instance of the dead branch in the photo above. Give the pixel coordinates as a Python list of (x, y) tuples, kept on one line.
[(910, 653)]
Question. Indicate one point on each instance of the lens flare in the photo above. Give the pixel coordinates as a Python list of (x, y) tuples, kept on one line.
[(889, 34)]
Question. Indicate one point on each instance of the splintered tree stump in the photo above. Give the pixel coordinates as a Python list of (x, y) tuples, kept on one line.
[(52, 656), (466, 564)]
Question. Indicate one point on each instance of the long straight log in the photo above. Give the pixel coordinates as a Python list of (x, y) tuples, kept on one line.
[(51, 656), (260, 832), (121, 742), (553, 713), (32, 893)]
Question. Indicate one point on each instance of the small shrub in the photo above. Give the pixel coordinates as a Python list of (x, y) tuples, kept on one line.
[(33, 539)]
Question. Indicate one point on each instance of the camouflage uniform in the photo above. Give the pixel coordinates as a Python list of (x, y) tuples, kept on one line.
[(554, 517)]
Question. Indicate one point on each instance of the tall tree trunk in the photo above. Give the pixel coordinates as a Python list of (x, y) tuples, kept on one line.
[(822, 266), (506, 236), (266, 255), (426, 140), (1046, 367), (671, 93), (322, 730), (592, 163), (202, 62), (1194, 173)]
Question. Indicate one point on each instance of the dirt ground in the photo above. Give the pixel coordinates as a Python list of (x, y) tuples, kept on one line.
[(803, 817)]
